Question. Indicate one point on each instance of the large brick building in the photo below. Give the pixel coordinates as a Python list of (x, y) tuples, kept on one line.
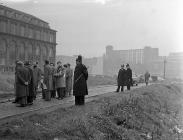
[(24, 37)]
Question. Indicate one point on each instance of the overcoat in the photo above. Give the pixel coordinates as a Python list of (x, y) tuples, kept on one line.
[(147, 76), (31, 82), (60, 77), (36, 76), (22, 76), (48, 80), (53, 71), (129, 76), (80, 80), (121, 77), (69, 75)]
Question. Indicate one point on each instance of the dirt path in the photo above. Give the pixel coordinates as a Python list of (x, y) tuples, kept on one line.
[(9, 110)]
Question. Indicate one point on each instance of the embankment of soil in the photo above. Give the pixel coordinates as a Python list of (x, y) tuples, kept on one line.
[(152, 112)]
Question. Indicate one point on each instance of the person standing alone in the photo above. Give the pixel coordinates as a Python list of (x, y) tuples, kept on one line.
[(80, 82), (147, 76)]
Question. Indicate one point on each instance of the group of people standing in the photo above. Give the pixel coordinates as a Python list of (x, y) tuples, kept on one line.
[(53, 81), (26, 80), (56, 80), (124, 78)]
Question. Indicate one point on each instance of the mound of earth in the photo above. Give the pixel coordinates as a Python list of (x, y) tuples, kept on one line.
[(153, 112)]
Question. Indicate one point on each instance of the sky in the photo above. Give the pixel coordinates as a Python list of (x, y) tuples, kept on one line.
[(86, 27)]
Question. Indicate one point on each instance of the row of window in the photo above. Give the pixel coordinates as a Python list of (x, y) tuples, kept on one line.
[(24, 52), (22, 17), (22, 30)]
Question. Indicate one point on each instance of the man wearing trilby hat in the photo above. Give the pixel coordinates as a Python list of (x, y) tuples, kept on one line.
[(22, 82), (80, 85)]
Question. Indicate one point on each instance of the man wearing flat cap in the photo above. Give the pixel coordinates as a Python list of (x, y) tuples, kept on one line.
[(80, 82)]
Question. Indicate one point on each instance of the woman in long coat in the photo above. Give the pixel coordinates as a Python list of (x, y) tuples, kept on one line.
[(80, 82)]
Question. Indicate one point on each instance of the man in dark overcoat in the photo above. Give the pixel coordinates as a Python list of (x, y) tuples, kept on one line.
[(121, 79), (31, 95), (22, 81), (37, 72), (53, 71), (147, 76), (80, 82), (16, 100), (129, 76), (48, 79)]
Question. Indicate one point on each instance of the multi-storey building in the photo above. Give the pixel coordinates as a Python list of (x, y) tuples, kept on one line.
[(137, 58), (24, 37)]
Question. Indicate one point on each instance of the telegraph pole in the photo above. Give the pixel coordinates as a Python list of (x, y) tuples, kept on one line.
[(164, 62)]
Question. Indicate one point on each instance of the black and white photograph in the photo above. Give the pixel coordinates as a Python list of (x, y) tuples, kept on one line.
[(91, 70)]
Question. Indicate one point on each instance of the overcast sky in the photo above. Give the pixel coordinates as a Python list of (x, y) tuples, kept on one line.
[(87, 26)]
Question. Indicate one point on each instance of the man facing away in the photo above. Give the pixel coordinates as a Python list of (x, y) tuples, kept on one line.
[(128, 76), (31, 95), (48, 80), (22, 82), (121, 78), (80, 85), (147, 76), (36, 77)]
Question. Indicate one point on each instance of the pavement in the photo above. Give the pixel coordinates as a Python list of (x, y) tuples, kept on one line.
[(9, 109)]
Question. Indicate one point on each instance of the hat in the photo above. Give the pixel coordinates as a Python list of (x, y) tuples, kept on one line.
[(65, 65), (127, 65), (59, 62), (19, 63), (26, 63), (79, 58)]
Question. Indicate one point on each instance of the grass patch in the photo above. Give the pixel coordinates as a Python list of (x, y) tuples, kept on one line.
[(153, 112)]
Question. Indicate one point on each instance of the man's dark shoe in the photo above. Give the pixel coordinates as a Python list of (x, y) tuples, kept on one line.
[(30, 103), (21, 106)]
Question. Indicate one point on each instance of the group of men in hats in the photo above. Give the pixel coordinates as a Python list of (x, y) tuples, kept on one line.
[(26, 80), (124, 78)]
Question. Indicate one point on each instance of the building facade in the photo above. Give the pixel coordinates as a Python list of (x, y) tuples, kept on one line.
[(24, 37), (137, 58)]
